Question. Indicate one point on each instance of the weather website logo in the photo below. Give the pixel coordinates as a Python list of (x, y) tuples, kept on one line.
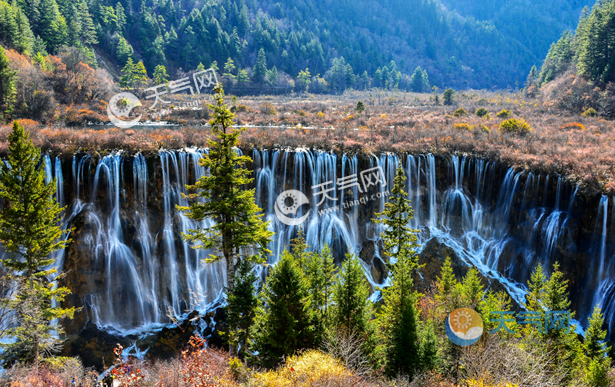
[(464, 326)]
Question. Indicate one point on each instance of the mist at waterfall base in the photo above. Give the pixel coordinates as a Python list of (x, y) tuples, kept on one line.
[(134, 269)]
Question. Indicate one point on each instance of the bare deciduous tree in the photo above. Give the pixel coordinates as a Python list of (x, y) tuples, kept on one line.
[(346, 346), (497, 361)]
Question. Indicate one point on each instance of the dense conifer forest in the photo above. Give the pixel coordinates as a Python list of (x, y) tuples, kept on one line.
[(356, 44)]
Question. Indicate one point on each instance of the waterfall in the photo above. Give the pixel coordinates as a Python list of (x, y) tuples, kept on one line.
[(502, 221)]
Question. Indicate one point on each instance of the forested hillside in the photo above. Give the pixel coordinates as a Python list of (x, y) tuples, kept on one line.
[(533, 23), (343, 42), (579, 70)]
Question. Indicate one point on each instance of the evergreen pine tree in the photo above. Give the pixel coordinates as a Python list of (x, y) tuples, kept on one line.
[(52, 26), (88, 30), (360, 108), (299, 249), (239, 232), (536, 286), (304, 78), (398, 317), (351, 312), (139, 74), (597, 363), (416, 81), (552, 296), (8, 25), (284, 317), (531, 78), (448, 96), (448, 298), (39, 46), (426, 86), (446, 285), (471, 290), (242, 304), (160, 75), (428, 346), (242, 76), (260, 68), (8, 79), (15, 28), (558, 58), (320, 275), (123, 51), (127, 78), (30, 233), (121, 16), (272, 75), (229, 67)]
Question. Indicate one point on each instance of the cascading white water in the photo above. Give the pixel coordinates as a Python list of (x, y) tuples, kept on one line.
[(141, 270)]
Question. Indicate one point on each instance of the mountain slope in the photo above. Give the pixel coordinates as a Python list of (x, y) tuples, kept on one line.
[(492, 46)]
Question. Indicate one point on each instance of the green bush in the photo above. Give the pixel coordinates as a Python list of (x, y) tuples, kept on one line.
[(360, 107), (460, 112), (482, 112), (516, 126), (464, 126), (485, 129), (448, 96), (504, 114), (591, 112)]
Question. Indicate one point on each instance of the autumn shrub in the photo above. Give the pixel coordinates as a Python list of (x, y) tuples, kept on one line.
[(590, 112), (460, 112), (464, 126), (573, 125), (125, 373), (516, 126), (242, 109), (504, 114), (482, 112), (203, 366), (482, 383), (321, 115), (58, 371), (268, 108), (485, 129), (311, 368)]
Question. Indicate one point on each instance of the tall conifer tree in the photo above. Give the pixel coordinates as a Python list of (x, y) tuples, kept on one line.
[(8, 92), (241, 308), (239, 233), (398, 318), (597, 363), (351, 314), (30, 233), (284, 318)]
